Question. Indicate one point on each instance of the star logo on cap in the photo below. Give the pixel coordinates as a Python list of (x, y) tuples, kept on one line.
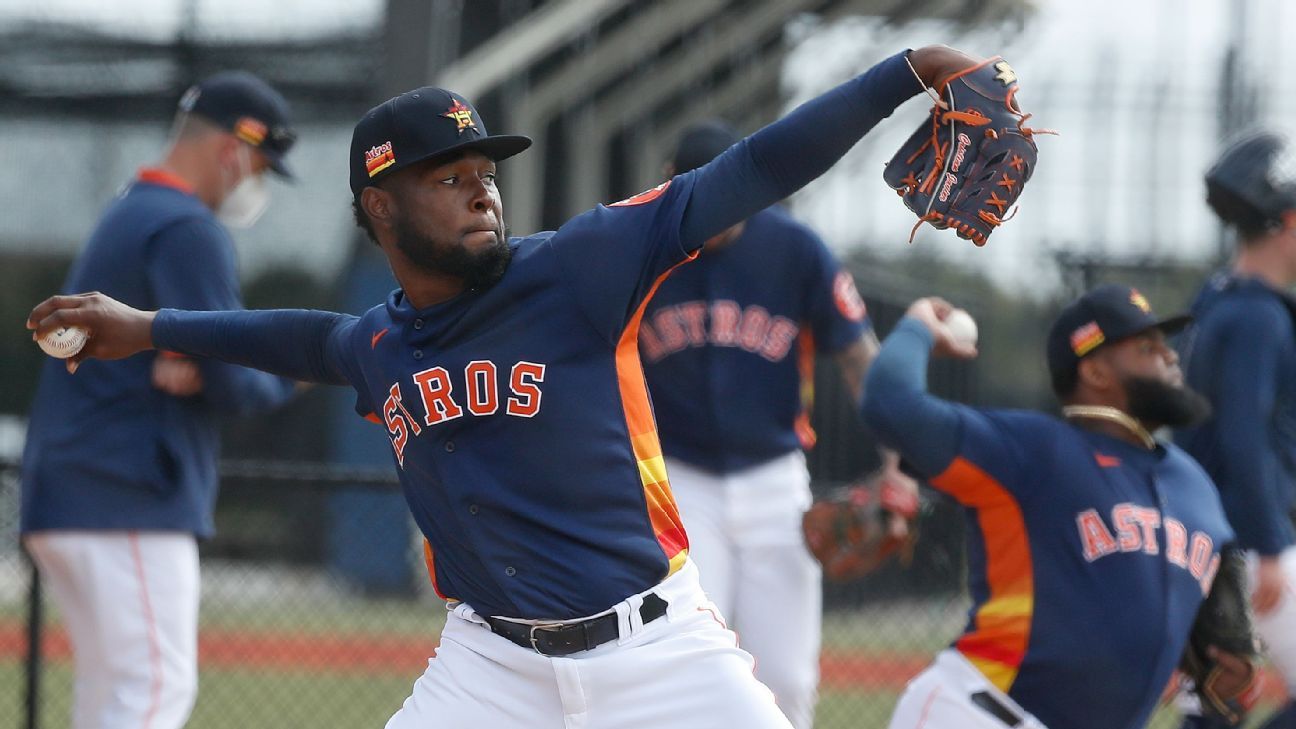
[(1140, 301), (462, 116), (1006, 73)]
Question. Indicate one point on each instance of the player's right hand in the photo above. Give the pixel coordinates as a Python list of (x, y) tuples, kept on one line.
[(1269, 585), (114, 329), (932, 312)]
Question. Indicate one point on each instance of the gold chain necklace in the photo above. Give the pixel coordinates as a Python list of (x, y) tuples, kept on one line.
[(1113, 415)]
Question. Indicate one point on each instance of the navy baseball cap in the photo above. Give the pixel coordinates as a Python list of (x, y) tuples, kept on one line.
[(1105, 314), (1255, 173), (418, 125), (248, 108), (702, 143)]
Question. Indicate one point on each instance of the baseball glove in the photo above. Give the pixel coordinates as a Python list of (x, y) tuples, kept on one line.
[(1221, 655), (966, 165), (850, 531)]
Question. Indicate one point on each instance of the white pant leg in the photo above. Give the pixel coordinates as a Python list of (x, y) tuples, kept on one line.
[(701, 498), (688, 672), (1277, 628), (478, 679), (130, 605), (778, 607), (941, 698), (683, 670)]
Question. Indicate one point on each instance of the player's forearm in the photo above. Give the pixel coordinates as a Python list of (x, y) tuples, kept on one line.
[(897, 407), (291, 343), (783, 157)]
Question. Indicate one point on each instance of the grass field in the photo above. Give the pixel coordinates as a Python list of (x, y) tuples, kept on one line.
[(325, 659)]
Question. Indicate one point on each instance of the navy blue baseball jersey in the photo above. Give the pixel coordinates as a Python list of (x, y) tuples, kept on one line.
[(1088, 557), (105, 449), (728, 343), (1240, 352), (518, 414), (535, 502)]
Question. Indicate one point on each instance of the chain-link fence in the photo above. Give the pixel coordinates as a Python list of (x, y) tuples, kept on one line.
[(294, 630), (284, 644)]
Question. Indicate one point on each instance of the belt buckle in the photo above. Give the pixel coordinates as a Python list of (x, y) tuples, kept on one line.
[(550, 627)]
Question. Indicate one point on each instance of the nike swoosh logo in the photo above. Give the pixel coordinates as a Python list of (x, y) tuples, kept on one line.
[(1106, 461), (377, 335)]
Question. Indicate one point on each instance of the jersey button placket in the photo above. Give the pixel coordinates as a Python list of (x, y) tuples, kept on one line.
[(510, 571), (418, 354), (473, 509), (449, 446), (418, 323)]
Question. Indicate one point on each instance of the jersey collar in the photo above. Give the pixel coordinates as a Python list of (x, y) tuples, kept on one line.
[(162, 178)]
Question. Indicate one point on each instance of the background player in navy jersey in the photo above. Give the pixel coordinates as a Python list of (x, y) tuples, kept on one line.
[(119, 470), (1090, 544), (507, 374), (1241, 354), (728, 345)]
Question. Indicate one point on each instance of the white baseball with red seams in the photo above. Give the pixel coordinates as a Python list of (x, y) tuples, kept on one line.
[(962, 327), (63, 342)]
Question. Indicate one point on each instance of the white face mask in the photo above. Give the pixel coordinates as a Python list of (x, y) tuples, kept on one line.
[(243, 206)]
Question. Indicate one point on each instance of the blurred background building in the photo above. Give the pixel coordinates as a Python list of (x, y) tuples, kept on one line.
[(1142, 92)]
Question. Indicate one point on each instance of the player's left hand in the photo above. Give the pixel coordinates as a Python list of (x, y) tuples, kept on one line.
[(115, 330), (935, 63), (177, 376), (899, 495)]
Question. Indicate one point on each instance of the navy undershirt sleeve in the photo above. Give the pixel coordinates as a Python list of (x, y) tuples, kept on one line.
[(310, 346), (924, 429), (1244, 406), (784, 156)]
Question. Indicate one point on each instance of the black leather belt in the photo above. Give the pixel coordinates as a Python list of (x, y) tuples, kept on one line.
[(567, 638), (995, 708)]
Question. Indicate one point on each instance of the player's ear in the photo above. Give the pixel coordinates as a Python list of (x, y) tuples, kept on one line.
[(1095, 372), (377, 204), (1288, 219)]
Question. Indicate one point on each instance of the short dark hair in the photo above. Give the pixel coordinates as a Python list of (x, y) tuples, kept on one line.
[(362, 220), (1064, 381), (1236, 211)]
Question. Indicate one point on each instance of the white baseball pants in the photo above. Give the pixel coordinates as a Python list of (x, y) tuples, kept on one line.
[(744, 533), (952, 694), (681, 670), (129, 602), (1277, 628)]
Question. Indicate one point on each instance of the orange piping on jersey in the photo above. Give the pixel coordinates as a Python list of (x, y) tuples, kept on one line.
[(159, 176), (373, 418), (1000, 632), (806, 367), (662, 512), (430, 560)]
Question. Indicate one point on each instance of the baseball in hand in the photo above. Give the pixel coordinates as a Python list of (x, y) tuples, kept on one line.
[(962, 327), (63, 342)]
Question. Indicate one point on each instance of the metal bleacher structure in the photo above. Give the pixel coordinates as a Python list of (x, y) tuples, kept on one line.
[(603, 85)]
